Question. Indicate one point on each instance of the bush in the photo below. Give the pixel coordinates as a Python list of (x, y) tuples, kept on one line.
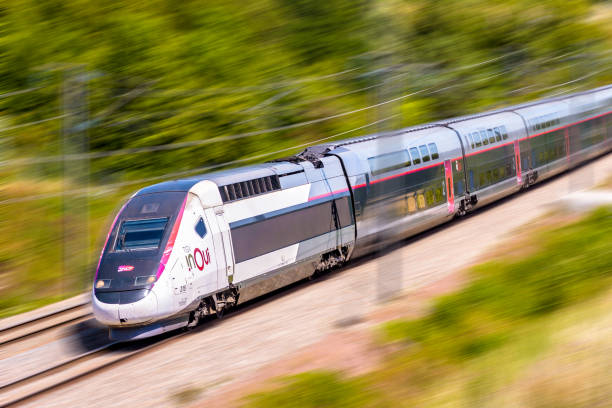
[(574, 263)]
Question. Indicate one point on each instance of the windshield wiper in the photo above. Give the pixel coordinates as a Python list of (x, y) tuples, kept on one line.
[(123, 247)]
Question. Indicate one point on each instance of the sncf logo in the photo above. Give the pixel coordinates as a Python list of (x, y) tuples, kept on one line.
[(125, 268), (199, 259)]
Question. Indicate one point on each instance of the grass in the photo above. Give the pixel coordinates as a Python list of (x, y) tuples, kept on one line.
[(506, 339), (33, 239), (318, 389), (574, 263)]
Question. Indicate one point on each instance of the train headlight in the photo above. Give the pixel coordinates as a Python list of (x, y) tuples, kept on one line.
[(145, 280), (103, 283)]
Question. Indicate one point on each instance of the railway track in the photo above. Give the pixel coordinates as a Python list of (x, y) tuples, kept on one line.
[(33, 389), (68, 371), (53, 320), (73, 369)]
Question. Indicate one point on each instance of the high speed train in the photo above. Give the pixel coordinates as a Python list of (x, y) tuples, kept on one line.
[(180, 250)]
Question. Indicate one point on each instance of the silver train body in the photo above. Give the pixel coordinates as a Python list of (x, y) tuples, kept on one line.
[(184, 249)]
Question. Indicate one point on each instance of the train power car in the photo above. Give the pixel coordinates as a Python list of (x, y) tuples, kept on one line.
[(180, 250)]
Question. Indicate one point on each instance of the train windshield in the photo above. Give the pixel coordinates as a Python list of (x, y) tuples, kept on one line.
[(141, 234), (145, 223)]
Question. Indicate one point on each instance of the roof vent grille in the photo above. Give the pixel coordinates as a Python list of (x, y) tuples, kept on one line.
[(249, 188)]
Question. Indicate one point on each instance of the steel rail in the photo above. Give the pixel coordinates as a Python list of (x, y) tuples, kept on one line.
[(4, 331), (172, 336), (44, 329)]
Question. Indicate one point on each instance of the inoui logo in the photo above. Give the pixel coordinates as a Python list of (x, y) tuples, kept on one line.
[(199, 259)]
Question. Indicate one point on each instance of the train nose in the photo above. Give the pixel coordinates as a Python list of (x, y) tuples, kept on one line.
[(105, 313), (125, 308), (139, 312)]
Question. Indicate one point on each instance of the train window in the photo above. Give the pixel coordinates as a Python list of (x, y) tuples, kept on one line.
[(491, 136), (504, 132), (434, 151), (439, 195), (476, 137), (414, 152), (424, 153), (471, 140), (482, 179), (483, 137), (496, 176), (412, 207), (498, 135), (141, 234), (421, 200), (429, 197), (389, 162), (200, 228)]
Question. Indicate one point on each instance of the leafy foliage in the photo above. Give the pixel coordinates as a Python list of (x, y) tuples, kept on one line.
[(574, 264), (164, 72)]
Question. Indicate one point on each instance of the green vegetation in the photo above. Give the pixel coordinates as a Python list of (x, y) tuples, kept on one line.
[(317, 390), (131, 75), (32, 270), (508, 338), (574, 263)]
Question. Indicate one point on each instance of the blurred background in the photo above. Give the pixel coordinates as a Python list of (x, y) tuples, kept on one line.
[(98, 99)]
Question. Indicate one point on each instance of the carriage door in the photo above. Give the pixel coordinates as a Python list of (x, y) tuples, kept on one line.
[(448, 177), (517, 159), (227, 243)]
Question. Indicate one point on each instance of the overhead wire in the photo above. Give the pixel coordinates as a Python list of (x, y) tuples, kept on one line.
[(171, 146), (237, 161), (225, 164), (186, 172), (20, 92), (36, 122), (223, 91), (196, 143)]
